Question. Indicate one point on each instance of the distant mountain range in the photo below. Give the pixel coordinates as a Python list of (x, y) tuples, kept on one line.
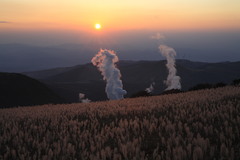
[(25, 58), (136, 76), (20, 90)]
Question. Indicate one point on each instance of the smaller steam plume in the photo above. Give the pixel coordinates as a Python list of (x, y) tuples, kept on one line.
[(173, 81), (105, 61), (158, 36), (150, 88), (83, 99)]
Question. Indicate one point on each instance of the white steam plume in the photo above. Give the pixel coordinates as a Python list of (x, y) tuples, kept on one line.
[(173, 81), (158, 36), (81, 96), (83, 99), (105, 61), (150, 88)]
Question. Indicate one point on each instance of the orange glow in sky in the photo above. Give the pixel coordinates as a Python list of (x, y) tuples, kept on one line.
[(120, 15)]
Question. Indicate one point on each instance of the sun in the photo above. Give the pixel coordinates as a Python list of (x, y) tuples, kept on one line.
[(98, 26)]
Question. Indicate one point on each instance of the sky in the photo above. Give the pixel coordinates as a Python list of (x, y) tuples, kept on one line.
[(120, 15), (206, 30)]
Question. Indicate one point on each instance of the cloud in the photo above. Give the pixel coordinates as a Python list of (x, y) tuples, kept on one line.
[(5, 22), (158, 36)]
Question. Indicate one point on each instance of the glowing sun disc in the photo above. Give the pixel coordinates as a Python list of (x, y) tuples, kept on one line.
[(98, 26)]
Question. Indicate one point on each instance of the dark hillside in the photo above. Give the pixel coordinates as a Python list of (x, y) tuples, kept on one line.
[(20, 90)]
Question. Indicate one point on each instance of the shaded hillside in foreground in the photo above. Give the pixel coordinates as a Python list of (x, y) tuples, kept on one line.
[(136, 76), (197, 125), (20, 90)]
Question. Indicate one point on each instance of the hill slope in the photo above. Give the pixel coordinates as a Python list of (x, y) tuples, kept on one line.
[(194, 125), (136, 76), (20, 90)]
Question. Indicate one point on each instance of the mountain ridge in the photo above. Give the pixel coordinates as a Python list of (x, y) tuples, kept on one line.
[(136, 76)]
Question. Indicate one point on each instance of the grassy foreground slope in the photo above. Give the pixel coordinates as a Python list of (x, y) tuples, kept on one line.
[(198, 125)]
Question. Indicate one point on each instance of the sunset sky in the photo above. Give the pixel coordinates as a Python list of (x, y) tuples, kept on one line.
[(116, 15), (53, 33)]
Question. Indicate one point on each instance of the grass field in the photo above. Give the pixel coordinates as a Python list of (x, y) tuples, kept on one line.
[(197, 125)]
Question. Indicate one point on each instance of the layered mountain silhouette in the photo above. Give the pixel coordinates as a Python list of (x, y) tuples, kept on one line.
[(20, 90), (136, 76)]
